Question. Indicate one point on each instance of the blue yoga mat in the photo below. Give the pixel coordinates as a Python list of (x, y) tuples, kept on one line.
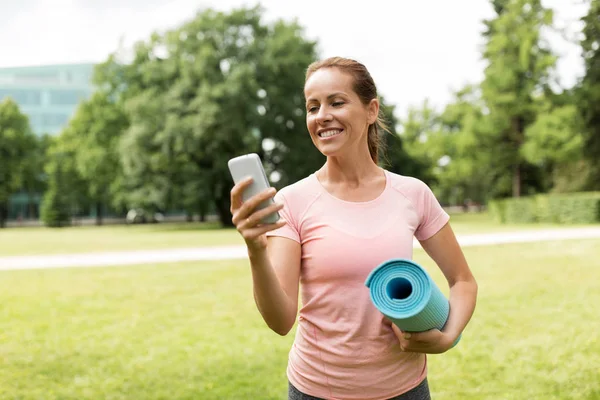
[(405, 293)]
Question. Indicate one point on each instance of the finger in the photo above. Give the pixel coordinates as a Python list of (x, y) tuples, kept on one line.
[(242, 210), (236, 193), (255, 218), (405, 345), (400, 333), (425, 336), (248, 206), (413, 346), (253, 233)]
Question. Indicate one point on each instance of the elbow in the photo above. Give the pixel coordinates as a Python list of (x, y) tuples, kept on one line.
[(281, 331), (282, 327), (466, 282), (474, 284)]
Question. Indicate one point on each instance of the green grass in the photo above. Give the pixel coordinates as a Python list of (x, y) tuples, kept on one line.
[(482, 223), (31, 241), (191, 331), (81, 239)]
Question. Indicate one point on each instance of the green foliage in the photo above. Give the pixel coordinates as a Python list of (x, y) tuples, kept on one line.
[(55, 209), (158, 132), (555, 136), (453, 146), (589, 91), (419, 134), (34, 177), (67, 192), (394, 155), (94, 134), (16, 139), (220, 85), (509, 135), (56, 204), (518, 72), (568, 208)]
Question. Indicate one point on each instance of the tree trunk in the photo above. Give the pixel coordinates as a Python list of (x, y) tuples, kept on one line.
[(223, 205), (98, 213), (517, 125), (3, 215), (32, 214), (189, 217), (516, 182), (202, 211)]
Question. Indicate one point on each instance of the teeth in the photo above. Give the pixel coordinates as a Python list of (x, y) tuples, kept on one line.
[(329, 133)]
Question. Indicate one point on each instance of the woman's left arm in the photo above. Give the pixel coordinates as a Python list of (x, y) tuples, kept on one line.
[(444, 249)]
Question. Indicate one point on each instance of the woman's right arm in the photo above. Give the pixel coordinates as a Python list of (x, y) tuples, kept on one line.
[(275, 277), (275, 263)]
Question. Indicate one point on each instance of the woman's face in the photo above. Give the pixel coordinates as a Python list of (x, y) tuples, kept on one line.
[(335, 117)]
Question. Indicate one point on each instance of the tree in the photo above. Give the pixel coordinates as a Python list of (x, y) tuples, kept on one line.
[(418, 132), (465, 170), (56, 205), (96, 127), (221, 85), (67, 194), (451, 146), (517, 75), (34, 179), (395, 157), (15, 141), (589, 92)]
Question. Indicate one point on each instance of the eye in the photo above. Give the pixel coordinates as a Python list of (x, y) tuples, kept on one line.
[(337, 104), (313, 109)]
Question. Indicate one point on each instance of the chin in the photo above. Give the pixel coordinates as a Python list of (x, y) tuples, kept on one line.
[(330, 152)]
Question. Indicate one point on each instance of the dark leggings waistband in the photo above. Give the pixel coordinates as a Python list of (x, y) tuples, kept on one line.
[(420, 392)]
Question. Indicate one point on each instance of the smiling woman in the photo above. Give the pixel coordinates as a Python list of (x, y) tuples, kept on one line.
[(354, 96), (337, 225)]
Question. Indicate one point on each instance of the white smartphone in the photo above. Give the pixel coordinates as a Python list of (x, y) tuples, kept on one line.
[(251, 165)]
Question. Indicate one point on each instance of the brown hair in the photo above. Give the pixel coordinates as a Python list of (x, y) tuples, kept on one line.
[(365, 88)]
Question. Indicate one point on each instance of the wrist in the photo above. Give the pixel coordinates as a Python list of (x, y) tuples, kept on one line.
[(256, 251)]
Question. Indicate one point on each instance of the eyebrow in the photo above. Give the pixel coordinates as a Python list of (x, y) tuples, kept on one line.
[(332, 95)]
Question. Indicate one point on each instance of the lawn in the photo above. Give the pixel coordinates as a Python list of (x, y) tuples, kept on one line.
[(191, 331), (31, 241), (81, 239)]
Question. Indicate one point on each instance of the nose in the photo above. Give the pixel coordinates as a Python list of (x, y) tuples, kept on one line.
[(323, 116)]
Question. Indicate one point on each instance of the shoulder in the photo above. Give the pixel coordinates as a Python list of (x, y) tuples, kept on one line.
[(299, 195), (298, 187), (409, 186)]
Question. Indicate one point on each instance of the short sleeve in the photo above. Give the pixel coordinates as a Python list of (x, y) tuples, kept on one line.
[(290, 229), (432, 217)]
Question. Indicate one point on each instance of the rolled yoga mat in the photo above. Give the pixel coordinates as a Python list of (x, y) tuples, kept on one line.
[(405, 293)]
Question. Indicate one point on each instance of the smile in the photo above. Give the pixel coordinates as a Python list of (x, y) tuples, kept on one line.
[(330, 133)]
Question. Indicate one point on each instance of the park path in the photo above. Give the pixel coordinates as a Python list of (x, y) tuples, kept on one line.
[(135, 257)]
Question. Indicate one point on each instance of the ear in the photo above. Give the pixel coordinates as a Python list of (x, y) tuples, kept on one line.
[(373, 111)]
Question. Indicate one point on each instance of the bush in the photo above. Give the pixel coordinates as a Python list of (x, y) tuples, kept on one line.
[(55, 209), (564, 208)]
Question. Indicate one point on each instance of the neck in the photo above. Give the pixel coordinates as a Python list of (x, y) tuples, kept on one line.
[(350, 169)]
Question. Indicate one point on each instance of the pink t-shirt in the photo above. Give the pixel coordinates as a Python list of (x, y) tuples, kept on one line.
[(343, 348)]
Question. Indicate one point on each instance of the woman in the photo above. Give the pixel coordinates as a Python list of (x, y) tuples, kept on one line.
[(337, 225)]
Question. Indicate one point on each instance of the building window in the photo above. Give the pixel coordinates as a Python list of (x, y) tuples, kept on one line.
[(25, 97), (66, 97)]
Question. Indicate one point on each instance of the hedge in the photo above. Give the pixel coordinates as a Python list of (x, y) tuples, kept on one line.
[(563, 208)]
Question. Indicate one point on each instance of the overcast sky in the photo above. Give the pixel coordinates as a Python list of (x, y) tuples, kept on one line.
[(414, 49)]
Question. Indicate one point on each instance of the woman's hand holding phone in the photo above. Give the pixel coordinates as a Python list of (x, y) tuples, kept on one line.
[(247, 219)]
